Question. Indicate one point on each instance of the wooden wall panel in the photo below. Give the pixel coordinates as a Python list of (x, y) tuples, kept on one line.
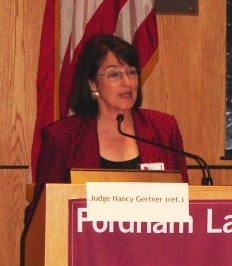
[(189, 79), (12, 205), (20, 29), (220, 176)]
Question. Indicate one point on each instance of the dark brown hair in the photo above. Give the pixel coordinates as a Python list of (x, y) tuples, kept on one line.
[(89, 62)]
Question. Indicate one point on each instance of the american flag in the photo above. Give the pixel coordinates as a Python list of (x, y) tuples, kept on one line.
[(67, 25)]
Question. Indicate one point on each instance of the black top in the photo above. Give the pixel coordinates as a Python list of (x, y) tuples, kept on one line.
[(131, 164)]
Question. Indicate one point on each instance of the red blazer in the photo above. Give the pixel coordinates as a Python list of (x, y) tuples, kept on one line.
[(72, 142)]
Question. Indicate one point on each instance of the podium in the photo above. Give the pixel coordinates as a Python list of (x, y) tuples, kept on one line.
[(47, 238)]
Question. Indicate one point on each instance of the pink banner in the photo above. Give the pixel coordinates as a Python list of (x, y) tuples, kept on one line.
[(205, 240)]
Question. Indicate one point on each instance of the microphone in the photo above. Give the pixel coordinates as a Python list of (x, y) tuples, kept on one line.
[(206, 180)]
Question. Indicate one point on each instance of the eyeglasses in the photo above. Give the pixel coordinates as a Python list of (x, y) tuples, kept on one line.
[(116, 75)]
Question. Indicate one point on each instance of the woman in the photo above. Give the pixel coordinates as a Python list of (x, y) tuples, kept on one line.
[(107, 83)]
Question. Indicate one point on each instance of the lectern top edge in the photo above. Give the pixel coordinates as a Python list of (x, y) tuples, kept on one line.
[(81, 176)]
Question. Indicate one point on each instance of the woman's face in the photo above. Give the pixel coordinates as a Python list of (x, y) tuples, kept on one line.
[(117, 92)]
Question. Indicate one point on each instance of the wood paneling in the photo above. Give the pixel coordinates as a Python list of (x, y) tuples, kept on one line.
[(20, 29), (12, 204), (189, 78), (220, 176)]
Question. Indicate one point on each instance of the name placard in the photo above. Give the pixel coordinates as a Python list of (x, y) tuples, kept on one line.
[(137, 202)]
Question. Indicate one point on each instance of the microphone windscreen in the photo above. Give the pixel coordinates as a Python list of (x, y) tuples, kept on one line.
[(120, 117)]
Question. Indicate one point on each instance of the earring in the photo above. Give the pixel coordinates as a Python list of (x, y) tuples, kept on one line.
[(95, 95)]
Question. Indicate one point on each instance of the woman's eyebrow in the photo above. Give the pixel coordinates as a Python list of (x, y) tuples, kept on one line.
[(112, 66)]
